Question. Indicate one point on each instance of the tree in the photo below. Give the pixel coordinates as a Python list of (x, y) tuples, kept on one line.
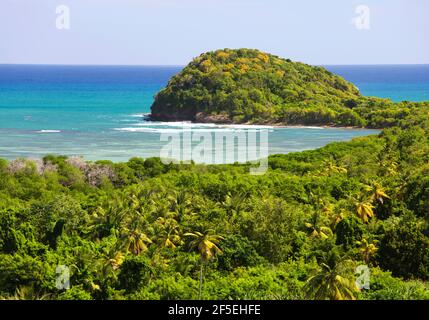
[(180, 203), (349, 231), (206, 244), (108, 265), (168, 233), (238, 251), (27, 293), (316, 229), (376, 192), (233, 205), (368, 250), (330, 167), (404, 247), (334, 280), (364, 210), (135, 272), (136, 242)]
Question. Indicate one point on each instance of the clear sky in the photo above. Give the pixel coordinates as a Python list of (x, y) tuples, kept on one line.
[(171, 32)]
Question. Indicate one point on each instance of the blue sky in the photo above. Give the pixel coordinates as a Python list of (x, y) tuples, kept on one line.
[(172, 32)]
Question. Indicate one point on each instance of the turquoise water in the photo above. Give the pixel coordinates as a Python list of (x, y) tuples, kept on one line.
[(396, 82), (97, 112)]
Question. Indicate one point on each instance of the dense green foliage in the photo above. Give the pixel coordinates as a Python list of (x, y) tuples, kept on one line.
[(249, 86), (145, 230)]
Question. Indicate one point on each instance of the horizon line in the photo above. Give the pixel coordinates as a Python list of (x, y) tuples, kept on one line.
[(184, 65)]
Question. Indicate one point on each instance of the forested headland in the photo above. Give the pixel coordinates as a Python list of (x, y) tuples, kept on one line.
[(250, 86)]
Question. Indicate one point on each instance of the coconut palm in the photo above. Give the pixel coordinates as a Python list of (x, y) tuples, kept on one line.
[(108, 217), (330, 167), (376, 192), (316, 229), (337, 217), (136, 241), (206, 243), (180, 203), (367, 249), (333, 281), (234, 202), (390, 167), (207, 246), (364, 210), (233, 205), (109, 263), (27, 293), (168, 233)]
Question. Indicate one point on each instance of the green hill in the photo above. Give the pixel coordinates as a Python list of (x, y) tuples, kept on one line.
[(249, 86)]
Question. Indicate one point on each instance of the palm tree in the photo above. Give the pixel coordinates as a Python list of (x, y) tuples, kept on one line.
[(337, 217), (390, 167), (364, 210), (334, 281), (316, 229), (330, 167), (180, 203), (234, 204), (169, 234), (367, 249), (109, 263), (136, 242), (376, 192), (108, 217), (206, 244), (27, 293), (333, 213)]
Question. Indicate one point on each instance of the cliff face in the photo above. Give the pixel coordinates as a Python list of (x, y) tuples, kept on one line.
[(237, 86)]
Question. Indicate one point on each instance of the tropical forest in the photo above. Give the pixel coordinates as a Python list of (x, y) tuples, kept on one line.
[(314, 226)]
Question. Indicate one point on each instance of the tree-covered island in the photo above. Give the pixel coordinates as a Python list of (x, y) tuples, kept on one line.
[(250, 86)]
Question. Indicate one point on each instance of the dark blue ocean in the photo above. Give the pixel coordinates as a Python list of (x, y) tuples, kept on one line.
[(96, 111)]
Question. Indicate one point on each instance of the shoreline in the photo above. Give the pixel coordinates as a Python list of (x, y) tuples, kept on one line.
[(322, 126), (268, 125), (217, 120)]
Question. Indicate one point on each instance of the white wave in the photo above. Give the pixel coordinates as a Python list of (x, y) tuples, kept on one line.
[(136, 130), (310, 127), (188, 124), (180, 124), (140, 115), (48, 131), (172, 130), (246, 126), (179, 130)]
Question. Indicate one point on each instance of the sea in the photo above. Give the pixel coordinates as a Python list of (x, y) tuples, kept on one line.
[(98, 112)]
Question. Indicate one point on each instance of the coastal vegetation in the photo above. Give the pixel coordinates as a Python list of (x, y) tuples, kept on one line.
[(146, 230), (250, 86)]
